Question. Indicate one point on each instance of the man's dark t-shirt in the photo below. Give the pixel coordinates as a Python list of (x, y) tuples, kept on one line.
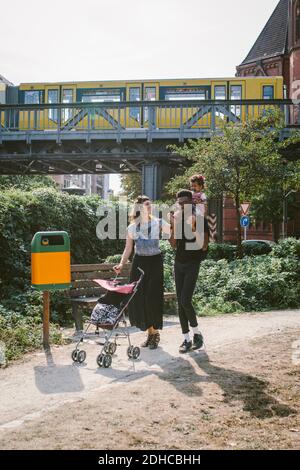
[(184, 255)]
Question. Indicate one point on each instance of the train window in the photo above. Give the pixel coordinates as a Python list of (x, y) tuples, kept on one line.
[(177, 94), (135, 95), (220, 92), (67, 96), (101, 96), (235, 92), (268, 92), (150, 93), (32, 97), (53, 99)]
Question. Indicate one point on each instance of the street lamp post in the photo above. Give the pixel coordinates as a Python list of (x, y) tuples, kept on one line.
[(284, 220)]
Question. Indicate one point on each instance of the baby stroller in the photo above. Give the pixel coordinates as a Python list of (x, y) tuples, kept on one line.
[(109, 315)]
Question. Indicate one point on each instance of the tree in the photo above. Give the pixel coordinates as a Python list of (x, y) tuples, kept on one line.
[(26, 182), (268, 203), (242, 162), (132, 185)]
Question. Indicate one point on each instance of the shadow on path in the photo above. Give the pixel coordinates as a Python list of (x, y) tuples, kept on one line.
[(52, 378)]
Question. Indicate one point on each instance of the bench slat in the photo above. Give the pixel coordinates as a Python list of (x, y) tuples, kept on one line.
[(95, 267), (98, 275)]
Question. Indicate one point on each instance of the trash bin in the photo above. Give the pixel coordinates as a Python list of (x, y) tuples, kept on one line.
[(50, 261)]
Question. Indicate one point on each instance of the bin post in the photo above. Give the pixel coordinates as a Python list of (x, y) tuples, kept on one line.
[(46, 319)]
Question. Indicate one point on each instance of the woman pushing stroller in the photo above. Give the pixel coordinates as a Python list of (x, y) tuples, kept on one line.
[(143, 235)]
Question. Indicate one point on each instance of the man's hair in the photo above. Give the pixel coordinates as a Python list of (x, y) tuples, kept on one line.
[(185, 193), (199, 179)]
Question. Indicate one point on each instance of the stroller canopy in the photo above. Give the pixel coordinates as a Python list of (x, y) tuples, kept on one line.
[(113, 286)]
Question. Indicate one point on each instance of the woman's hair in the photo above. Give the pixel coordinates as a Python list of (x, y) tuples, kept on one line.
[(136, 209), (198, 179)]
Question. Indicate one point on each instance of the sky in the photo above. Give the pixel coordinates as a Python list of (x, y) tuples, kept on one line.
[(73, 40)]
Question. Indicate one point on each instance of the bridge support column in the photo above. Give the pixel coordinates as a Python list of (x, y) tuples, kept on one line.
[(152, 180), (154, 177)]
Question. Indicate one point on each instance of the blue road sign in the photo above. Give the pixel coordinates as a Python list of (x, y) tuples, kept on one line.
[(245, 221)]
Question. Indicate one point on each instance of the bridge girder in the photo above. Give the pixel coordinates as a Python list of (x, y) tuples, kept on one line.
[(79, 157)]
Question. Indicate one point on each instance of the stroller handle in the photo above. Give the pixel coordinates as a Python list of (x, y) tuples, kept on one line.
[(141, 271)]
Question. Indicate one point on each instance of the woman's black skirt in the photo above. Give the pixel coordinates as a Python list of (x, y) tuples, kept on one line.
[(146, 308)]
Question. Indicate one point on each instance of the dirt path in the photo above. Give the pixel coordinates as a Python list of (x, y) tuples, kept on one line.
[(243, 392)]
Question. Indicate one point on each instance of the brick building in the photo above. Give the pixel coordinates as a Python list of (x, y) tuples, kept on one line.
[(275, 52)]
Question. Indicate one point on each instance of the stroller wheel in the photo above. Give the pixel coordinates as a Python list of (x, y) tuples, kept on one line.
[(100, 360), (130, 351), (136, 352), (107, 360), (81, 357), (74, 355)]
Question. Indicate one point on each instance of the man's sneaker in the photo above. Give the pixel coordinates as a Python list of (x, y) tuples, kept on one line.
[(185, 347), (198, 342)]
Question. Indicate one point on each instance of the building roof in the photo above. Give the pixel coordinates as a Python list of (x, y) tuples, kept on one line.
[(273, 40)]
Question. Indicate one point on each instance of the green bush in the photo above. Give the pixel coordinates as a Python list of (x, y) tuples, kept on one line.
[(256, 249), (22, 214), (250, 284), (287, 248), (114, 259), (225, 284), (20, 335), (219, 251)]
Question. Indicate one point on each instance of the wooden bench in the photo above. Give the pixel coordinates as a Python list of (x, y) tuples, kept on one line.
[(85, 293)]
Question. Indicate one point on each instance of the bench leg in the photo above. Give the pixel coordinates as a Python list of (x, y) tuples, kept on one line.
[(77, 315)]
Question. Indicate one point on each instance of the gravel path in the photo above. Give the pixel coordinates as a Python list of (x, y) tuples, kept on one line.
[(43, 396)]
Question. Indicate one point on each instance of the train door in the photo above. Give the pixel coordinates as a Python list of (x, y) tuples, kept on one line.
[(51, 114), (134, 93), (220, 93), (150, 93), (237, 91), (68, 96)]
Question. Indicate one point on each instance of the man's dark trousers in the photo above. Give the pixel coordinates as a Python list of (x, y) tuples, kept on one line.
[(186, 275)]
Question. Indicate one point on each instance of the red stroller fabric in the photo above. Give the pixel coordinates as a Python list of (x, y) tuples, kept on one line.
[(113, 286)]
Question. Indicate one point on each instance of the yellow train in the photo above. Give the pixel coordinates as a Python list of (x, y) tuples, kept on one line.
[(95, 104)]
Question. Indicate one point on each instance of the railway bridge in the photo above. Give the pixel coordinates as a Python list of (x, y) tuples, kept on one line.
[(83, 138)]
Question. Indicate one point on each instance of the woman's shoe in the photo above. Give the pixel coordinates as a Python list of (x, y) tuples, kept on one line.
[(147, 343), (154, 341)]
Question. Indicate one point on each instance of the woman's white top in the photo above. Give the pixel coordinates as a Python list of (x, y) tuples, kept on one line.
[(146, 236)]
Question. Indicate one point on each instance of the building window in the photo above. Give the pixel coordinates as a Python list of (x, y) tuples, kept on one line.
[(32, 97), (297, 21), (53, 99), (67, 183), (268, 92)]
